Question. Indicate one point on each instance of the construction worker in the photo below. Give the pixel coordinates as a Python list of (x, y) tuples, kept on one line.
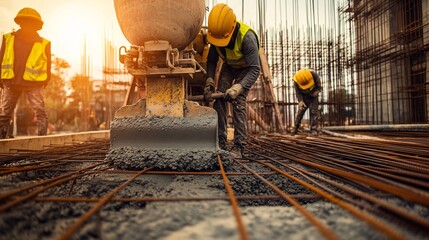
[(25, 59), (238, 46), (307, 88)]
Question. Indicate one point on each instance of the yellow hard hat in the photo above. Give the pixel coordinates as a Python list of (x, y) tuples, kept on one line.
[(221, 25), (30, 14), (304, 79)]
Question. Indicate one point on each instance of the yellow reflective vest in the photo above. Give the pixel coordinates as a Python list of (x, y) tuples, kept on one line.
[(36, 67), (234, 57)]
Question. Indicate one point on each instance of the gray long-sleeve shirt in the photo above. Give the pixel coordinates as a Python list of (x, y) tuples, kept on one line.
[(250, 50)]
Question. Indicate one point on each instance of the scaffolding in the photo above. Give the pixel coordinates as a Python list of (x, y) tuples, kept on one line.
[(372, 57), (391, 61), (116, 80)]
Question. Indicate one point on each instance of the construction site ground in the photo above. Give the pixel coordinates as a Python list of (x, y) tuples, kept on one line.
[(366, 185)]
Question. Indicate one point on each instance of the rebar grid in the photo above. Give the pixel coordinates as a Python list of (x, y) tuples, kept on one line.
[(353, 175)]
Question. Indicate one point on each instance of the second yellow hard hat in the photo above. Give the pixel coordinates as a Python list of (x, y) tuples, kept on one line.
[(304, 79)]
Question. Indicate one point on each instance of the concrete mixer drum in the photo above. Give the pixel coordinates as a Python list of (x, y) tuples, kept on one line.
[(164, 129), (175, 21)]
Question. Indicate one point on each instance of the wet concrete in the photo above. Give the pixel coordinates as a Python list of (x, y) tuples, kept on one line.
[(181, 220), (198, 130), (164, 142), (263, 219), (174, 159)]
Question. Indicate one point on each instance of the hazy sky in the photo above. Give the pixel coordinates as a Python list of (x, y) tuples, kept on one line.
[(68, 21), (66, 24)]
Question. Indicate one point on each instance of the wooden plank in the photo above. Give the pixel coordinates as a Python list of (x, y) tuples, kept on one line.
[(268, 86), (13, 145)]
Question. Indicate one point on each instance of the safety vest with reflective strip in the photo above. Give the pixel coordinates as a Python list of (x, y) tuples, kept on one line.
[(37, 62), (234, 57)]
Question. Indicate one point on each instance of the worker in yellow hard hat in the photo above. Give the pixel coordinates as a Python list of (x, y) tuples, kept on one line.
[(238, 46), (307, 89), (25, 59)]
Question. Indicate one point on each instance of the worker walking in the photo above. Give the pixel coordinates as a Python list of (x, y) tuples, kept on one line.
[(25, 59), (238, 46), (307, 88)]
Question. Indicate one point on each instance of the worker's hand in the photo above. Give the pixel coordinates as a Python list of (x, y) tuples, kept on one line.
[(209, 89), (301, 105), (315, 94), (233, 92)]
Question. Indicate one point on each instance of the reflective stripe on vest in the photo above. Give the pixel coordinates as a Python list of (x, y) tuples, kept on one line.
[(234, 57), (8, 56), (37, 63), (36, 68)]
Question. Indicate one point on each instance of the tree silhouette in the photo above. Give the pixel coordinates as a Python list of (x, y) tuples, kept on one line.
[(79, 104), (55, 94)]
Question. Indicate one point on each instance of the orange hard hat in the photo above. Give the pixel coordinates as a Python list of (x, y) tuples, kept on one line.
[(29, 14)]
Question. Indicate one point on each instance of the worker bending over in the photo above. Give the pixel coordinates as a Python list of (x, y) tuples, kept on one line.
[(307, 88), (25, 59), (238, 46)]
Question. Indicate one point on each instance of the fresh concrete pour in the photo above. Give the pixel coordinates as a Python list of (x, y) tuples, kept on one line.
[(183, 144), (130, 158), (264, 219)]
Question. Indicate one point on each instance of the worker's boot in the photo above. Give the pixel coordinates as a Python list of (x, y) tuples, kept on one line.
[(222, 143), (237, 152), (294, 131), (3, 132), (10, 130), (42, 128)]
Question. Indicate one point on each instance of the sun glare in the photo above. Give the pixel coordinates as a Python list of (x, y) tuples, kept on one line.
[(70, 26), (73, 20)]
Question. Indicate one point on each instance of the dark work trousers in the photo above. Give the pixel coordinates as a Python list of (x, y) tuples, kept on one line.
[(35, 98), (312, 104), (9, 133), (228, 77)]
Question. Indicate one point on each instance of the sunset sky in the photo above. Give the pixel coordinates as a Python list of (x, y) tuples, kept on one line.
[(66, 24), (69, 22)]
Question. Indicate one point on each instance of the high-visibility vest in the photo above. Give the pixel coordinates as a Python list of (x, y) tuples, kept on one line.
[(36, 67), (234, 57)]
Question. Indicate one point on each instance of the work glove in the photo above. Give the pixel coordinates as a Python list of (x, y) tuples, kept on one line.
[(233, 92), (315, 94), (209, 89), (301, 105)]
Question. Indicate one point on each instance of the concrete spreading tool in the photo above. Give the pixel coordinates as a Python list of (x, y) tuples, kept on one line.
[(163, 129)]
